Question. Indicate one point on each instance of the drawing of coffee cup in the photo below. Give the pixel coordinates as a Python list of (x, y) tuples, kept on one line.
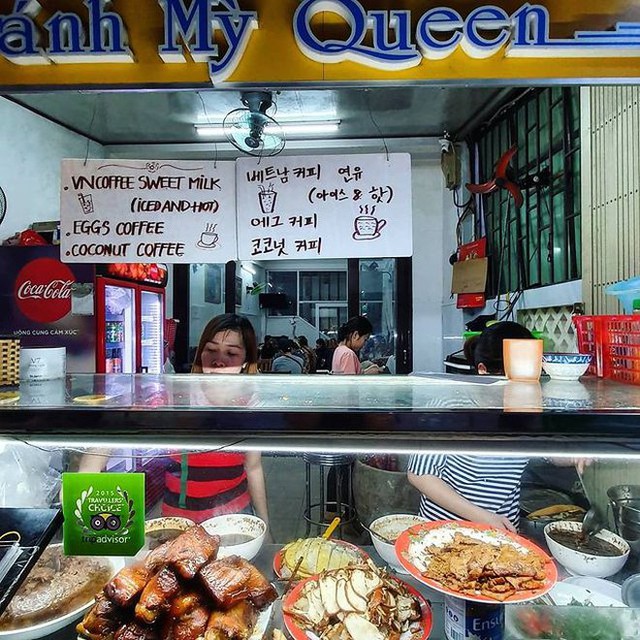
[(368, 227), (208, 239)]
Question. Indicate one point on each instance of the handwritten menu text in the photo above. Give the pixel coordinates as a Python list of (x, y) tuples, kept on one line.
[(141, 211), (331, 207)]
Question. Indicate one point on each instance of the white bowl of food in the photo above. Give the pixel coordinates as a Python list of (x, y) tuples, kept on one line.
[(599, 556), (240, 534), (384, 533)]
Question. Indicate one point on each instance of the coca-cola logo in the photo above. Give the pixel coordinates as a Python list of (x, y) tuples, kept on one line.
[(56, 289), (43, 290)]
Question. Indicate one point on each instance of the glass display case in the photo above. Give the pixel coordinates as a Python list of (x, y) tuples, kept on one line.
[(353, 447)]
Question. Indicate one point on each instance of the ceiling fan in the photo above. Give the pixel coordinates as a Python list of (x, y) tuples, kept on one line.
[(251, 130)]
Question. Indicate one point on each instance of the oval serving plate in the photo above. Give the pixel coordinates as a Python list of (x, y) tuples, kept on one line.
[(48, 627), (411, 549)]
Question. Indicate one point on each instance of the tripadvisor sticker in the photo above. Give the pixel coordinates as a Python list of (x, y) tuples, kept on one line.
[(103, 513)]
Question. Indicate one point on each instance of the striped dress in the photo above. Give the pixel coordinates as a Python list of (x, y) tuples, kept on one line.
[(203, 485), (489, 482)]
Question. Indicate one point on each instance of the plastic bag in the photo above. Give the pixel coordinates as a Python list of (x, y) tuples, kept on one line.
[(29, 477)]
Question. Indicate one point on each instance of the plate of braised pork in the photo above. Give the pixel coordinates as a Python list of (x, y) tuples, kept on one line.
[(182, 591)]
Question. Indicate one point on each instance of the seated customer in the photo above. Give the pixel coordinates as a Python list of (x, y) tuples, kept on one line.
[(323, 355), (286, 361), (483, 489), (307, 354)]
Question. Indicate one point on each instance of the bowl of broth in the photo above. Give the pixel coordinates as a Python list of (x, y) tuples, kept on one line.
[(160, 530), (598, 556), (240, 534)]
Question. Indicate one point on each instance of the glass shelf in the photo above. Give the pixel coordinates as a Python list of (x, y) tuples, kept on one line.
[(590, 416)]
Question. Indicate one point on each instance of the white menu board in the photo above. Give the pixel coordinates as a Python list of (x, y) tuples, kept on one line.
[(347, 206), (147, 211)]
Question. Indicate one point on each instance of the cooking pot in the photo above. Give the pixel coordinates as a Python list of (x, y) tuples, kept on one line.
[(624, 503)]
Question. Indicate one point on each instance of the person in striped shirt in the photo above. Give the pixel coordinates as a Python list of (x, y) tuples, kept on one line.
[(483, 489)]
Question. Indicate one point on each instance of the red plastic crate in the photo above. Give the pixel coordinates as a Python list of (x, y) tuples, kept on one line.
[(615, 343), (587, 333)]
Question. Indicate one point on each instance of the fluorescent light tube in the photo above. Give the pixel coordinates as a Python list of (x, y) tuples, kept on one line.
[(289, 128)]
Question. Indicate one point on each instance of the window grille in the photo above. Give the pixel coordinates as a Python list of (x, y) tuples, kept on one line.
[(540, 243)]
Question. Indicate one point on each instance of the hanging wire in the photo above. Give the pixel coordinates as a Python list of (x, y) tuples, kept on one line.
[(512, 301), (457, 203), (503, 246), (90, 132), (206, 115), (375, 124), (506, 107), (537, 247), (143, 456), (468, 210)]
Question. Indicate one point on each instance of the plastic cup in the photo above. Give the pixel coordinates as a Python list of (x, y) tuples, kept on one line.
[(522, 359)]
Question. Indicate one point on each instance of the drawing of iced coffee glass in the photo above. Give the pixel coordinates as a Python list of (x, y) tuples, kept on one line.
[(86, 202), (267, 198), (368, 227)]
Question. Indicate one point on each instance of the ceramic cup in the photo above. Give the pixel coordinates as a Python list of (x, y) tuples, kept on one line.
[(522, 359)]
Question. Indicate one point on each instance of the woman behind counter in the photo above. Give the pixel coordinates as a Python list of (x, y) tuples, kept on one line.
[(202, 485), (352, 336), (483, 489)]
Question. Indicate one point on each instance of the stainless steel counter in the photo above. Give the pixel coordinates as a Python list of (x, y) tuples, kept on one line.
[(589, 416)]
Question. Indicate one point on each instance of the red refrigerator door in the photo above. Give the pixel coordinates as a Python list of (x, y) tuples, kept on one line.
[(151, 329), (116, 312)]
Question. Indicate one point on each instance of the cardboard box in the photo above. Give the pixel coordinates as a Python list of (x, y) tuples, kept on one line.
[(470, 276)]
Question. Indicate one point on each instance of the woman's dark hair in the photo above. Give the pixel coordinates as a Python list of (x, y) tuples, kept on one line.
[(229, 322), (303, 342), (487, 347), (357, 323)]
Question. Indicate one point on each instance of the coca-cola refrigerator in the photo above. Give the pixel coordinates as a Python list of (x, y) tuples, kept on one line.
[(109, 317), (130, 310)]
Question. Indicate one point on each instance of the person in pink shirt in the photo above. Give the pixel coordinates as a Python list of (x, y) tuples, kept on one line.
[(352, 336)]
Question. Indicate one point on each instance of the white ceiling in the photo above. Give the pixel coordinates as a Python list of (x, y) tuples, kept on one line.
[(168, 117)]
